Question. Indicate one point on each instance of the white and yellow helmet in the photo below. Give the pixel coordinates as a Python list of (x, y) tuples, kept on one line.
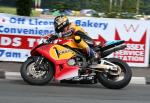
[(60, 22)]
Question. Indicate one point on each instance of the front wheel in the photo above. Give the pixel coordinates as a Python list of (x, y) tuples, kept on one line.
[(36, 77), (117, 81)]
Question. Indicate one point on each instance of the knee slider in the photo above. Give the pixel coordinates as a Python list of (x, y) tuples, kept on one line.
[(77, 39)]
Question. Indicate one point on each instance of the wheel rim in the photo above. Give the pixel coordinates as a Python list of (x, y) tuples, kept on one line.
[(34, 74), (116, 78)]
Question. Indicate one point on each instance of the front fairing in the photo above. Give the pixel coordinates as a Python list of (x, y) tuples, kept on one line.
[(58, 55), (34, 50), (53, 52)]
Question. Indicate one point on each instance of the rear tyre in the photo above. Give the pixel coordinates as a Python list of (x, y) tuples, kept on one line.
[(112, 82), (34, 77)]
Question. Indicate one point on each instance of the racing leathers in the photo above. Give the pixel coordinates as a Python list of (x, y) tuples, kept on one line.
[(81, 38)]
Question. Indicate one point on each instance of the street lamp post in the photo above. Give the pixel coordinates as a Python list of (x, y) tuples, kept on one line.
[(115, 3), (121, 4), (110, 6), (37, 3), (137, 6)]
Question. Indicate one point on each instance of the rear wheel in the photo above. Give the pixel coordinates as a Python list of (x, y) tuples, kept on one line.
[(116, 81), (36, 77)]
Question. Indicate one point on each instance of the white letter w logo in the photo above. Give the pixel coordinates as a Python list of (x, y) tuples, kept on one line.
[(131, 27)]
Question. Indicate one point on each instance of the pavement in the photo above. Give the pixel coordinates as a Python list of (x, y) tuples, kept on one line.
[(10, 70)]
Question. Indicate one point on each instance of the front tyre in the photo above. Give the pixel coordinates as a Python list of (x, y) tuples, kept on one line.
[(36, 77), (116, 82)]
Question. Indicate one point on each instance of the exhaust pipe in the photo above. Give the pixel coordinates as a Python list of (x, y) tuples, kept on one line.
[(113, 49)]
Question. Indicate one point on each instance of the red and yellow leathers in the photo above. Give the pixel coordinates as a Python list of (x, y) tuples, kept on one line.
[(80, 37)]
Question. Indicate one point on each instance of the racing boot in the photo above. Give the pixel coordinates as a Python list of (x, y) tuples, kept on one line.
[(92, 55)]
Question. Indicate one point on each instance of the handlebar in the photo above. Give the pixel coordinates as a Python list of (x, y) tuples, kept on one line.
[(51, 38)]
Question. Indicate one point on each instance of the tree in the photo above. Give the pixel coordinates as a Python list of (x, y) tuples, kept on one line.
[(129, 6), (100, 5), (145, 7), (24, 7)]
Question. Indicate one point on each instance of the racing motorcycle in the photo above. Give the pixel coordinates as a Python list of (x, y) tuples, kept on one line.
[(59, 59)]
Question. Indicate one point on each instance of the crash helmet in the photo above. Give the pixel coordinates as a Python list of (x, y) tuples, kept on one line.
[(60, 22)]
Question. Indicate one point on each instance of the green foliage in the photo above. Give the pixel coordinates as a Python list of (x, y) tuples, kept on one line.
[(24, 7), (112, 15), (129, 6), (5, 9), (145, 7), (12, 10), (60, 6), (95, 15), (99, 5)]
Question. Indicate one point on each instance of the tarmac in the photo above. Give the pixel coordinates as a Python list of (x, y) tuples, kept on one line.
[(11, 70)]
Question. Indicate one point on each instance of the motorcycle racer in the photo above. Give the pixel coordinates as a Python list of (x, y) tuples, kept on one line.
[(69, 30)]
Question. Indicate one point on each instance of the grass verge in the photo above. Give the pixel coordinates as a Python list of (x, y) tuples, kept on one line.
[(12, 10)]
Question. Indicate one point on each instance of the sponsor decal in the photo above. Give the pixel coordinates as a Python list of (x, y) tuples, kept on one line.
[(17, 20), (11, 54), (131, 28), (135, 50), (40, 22), (5, 53), (25, 25), (60, 52), (89, 23), (34, 31), (19, 34), (29, 21), (18, 41)]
